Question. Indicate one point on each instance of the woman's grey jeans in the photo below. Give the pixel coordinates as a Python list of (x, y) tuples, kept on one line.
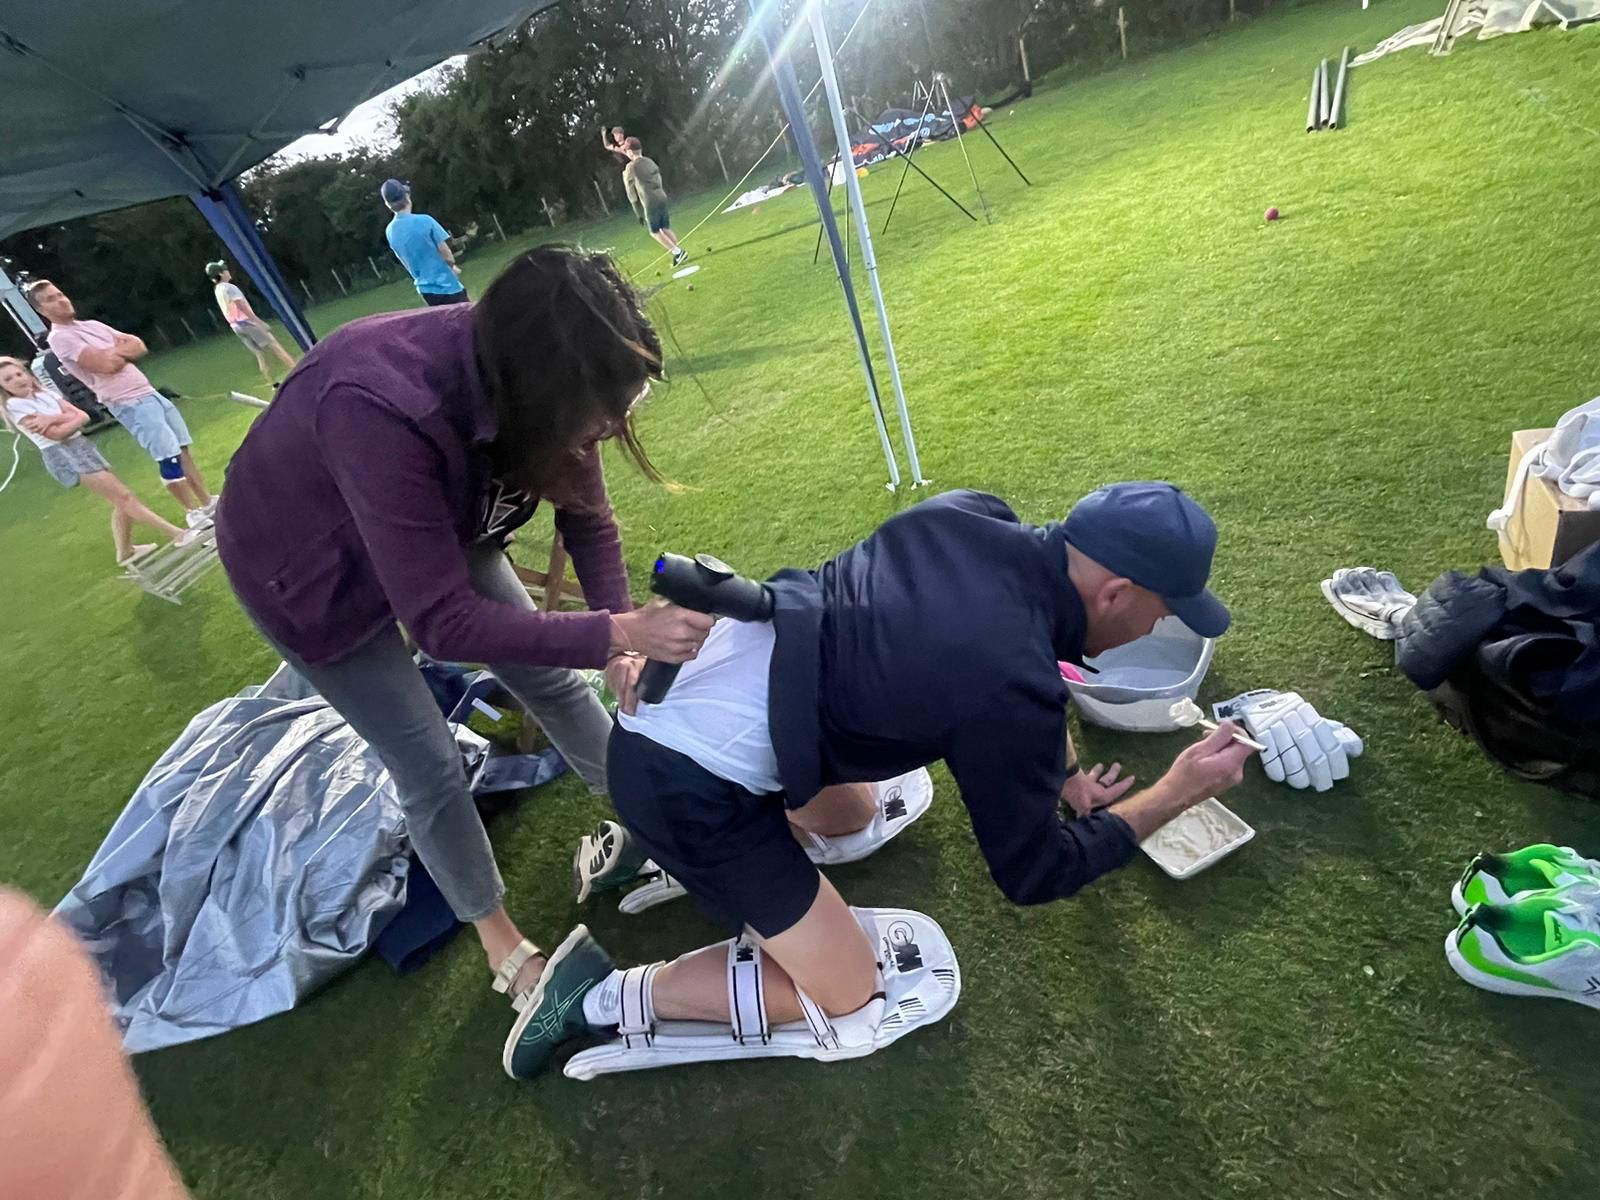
[(380, 692)]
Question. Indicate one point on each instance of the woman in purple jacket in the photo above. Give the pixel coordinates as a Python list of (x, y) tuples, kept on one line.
[(379, 490)]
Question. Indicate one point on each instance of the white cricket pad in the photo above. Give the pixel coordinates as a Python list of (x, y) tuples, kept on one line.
[(655, 887), (919, 983), (901, 801)]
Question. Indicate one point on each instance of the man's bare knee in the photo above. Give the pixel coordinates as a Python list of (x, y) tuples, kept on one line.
[(846, 991), (836, 811)]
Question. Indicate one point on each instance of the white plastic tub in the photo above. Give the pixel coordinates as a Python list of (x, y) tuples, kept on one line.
[(1192, 841), (1136, 685)]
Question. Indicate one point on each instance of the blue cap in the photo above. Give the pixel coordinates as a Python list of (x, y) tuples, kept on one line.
[(1155, 535), (393, 191)]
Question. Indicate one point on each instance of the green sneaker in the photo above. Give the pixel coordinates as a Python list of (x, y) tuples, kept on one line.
[(607, 858), (553, 1012), (1546, 944), (1502, 878)]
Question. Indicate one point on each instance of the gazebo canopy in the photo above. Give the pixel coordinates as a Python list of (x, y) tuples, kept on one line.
[(110, 103)]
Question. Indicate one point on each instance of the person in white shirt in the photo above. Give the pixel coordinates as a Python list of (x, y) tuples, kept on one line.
[(250, 329), (53, 424)]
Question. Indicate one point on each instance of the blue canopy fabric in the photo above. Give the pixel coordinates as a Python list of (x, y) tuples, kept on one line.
[(109, 104)]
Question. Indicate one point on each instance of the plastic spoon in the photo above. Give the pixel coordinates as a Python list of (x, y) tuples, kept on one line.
[(1187, 713)]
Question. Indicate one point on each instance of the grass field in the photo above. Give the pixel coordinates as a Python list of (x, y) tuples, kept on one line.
[(1339, 388)]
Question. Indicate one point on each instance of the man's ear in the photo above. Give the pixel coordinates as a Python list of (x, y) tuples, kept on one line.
[(1115, 593)]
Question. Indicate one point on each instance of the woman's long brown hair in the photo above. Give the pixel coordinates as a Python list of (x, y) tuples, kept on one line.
[(565, 351)]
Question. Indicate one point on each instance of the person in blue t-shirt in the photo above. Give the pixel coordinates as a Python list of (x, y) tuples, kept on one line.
[(423, 248)]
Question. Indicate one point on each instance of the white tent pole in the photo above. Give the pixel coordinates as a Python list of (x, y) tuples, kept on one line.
[(765, 15), (841, 134)]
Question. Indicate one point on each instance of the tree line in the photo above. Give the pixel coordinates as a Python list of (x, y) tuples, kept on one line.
[(512, 134)]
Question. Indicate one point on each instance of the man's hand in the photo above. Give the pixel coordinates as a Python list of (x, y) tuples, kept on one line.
[(128, 346), (1210, 766), (1095, 788), (622, 677)]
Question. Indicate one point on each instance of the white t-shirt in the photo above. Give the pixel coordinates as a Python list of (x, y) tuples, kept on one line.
[(235, 309), (43, 403), (716, 712)]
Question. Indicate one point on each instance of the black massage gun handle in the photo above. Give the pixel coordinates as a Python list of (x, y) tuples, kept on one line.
[(655, 681)]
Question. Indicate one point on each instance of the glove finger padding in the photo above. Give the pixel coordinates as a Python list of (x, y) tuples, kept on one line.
[(1333, 748), (1282, 759), (1349, 739), (1315, 772)]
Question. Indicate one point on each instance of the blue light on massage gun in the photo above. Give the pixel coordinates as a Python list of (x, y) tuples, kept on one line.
[(661, 566)]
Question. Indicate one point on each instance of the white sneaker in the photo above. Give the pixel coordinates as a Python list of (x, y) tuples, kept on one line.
[(187, 537), (1547, 944), (197, 518), (210, 506)]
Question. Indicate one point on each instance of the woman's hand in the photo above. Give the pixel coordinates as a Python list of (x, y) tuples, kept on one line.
[(660, 631), (622, 677)]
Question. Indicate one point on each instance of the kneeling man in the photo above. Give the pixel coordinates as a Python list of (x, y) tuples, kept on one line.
[(937, 637)]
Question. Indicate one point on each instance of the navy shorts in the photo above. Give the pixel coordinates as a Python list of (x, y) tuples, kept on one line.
[(729, 847), (658, 220)]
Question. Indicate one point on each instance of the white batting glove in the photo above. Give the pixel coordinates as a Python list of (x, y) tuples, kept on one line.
[(1303, 748)]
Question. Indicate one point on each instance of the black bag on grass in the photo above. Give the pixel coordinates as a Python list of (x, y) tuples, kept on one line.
[(1512, 659)]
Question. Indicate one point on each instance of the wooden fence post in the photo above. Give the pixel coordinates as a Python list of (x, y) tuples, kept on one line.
[(1122, 31)]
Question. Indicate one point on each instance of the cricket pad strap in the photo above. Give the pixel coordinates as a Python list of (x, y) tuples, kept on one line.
[(638, 1025)]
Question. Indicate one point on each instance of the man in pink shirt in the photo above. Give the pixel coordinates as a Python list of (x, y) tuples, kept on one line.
[(102, 358)]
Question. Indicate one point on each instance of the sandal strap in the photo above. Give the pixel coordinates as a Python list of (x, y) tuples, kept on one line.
[(512, 966)]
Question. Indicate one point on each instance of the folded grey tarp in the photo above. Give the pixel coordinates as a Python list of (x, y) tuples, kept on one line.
[(260, 857)]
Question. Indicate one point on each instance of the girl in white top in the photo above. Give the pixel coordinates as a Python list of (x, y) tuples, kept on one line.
[(52, 424)]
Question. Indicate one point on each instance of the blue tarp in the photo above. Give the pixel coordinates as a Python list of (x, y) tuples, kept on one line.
[(263, 854)]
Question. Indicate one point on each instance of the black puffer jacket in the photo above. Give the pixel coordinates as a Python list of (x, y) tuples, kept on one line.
[(1512, 658)]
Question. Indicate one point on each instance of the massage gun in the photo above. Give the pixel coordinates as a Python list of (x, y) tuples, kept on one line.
[(707, 585)]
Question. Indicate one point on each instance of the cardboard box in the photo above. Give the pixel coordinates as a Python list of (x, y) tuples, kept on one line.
[(1548, 526)]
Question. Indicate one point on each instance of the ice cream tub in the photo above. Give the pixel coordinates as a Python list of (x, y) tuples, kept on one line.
[(1193, 840)]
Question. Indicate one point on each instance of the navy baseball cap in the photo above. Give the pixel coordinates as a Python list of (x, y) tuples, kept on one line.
[(1155, 535), (393, 191)]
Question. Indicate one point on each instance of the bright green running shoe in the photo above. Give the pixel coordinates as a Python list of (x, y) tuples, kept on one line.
[(1546, 944), (1501, 878), (554, 1010)]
